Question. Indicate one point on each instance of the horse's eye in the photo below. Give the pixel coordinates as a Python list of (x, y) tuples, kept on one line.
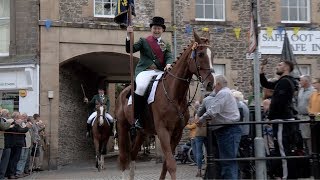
[(201, 54)]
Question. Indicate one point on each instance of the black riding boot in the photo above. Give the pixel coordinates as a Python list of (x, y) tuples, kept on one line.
[(88, 130), (111, 128), (138, 109)]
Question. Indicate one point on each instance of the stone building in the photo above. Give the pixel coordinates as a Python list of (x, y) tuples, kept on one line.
[(80, 44), (19, 55)]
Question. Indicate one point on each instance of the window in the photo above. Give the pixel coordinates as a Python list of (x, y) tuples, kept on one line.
[(4, 27), (100, 11), (304, 69), (9, 100), (210, 10), (295, 11), (219, 69)]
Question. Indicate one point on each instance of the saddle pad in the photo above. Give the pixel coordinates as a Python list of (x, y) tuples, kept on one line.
[(152, 93), (94, 119)]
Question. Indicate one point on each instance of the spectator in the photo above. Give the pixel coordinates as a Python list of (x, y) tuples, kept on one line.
[(244, 113), (222, 108), (15, 141), (314, 105), (192, 131), (40, 143), (5, 123), (303, 101), (25, 152), (281, 109), (200, 140)]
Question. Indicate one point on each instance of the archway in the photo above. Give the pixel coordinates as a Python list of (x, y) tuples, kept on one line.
[(89, 70)]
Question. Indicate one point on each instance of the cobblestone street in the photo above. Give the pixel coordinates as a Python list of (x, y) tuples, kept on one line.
[(86, 170)]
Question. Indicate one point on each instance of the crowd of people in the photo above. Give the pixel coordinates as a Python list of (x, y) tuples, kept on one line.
[(284, 98), (22, 144)]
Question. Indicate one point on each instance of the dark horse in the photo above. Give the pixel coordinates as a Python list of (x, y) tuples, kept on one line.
[(101, 133), (168, 114)]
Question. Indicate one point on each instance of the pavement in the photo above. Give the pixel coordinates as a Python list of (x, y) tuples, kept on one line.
[(146, 168)]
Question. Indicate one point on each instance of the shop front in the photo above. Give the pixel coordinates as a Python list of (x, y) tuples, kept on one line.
[(19, 88)]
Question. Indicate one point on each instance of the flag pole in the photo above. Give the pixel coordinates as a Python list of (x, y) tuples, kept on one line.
[(261, 172), (131, 63)]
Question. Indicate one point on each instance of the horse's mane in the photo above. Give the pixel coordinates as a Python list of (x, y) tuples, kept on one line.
[(189, 47)]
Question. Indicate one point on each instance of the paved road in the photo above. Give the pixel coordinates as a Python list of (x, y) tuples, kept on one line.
[(148, 170)]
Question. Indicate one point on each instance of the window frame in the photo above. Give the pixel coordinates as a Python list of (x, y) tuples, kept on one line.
[(298, 7), (213, 19), (103, 16), (307, 66), (6, 18)]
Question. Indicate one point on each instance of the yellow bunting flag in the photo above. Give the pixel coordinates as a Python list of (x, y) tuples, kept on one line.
[(296, 30), (138, 25), (205, 29), (174, 28), (269, 31), (237, 31)]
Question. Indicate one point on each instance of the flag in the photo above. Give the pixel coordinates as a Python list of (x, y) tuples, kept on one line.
[(121, 14), (252, 35), (287, 53)]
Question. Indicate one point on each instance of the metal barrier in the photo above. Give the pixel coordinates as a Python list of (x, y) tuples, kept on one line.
[(314, 157)]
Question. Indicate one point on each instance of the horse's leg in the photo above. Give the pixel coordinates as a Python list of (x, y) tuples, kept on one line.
[(124, 145), (164, 137), (135, 149), (97, 148)]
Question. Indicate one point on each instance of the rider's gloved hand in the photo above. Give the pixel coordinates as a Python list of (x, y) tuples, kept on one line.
[(85, 100), (168, 67)]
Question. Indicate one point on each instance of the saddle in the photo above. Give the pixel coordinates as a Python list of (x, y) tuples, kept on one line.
[(150, 91)]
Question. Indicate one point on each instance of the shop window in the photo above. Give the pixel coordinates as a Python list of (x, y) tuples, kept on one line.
[(101, 11), (295, 11), (9, 100), (210, 10), (4, 27)]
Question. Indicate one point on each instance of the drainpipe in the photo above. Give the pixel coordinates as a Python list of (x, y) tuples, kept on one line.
[(175, 29), (12, 46)]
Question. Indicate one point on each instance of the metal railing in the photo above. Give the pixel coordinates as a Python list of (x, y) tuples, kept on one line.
[(314, 157)]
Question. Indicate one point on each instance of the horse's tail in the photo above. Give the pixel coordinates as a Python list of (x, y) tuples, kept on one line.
[(123, 128)]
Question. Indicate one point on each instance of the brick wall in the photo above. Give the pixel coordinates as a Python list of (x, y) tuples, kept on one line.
[(73, 113)]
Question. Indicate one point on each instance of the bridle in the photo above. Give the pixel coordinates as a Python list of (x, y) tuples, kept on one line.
[(199, 79)]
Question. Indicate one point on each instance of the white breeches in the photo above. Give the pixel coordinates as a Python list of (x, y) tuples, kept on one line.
[(94, 114), (143, 79)]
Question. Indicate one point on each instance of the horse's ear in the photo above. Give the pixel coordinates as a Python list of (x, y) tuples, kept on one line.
[(196, 37)]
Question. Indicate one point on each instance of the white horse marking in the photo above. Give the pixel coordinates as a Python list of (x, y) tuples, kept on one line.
[(101, 116), (210, 59), (132, 167)]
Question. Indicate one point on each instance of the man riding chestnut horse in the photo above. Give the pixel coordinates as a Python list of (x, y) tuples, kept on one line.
[(155, 57)]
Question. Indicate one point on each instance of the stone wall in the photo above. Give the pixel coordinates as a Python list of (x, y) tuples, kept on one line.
[(27, 29), (73, 113), (24, 32)]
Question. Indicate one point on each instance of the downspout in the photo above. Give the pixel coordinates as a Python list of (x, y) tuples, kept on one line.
[(12, 46), (174, 29)]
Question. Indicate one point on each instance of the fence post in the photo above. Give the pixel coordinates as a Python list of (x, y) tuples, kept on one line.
[(210, 170)]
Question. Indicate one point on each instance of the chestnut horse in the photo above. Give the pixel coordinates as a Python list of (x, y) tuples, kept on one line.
[(168, 114), (101, 133)]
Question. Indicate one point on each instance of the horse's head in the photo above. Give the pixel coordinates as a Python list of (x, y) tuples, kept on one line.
[(201, 61), (101, 110)]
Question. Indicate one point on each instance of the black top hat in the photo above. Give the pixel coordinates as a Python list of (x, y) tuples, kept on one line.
[(158, 21)]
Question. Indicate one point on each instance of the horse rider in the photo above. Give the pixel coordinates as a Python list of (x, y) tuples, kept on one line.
[(102, 99), (155, 57)]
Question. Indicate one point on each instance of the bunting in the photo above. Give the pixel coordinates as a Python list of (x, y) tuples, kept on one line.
[(237, 31), (269, 31)]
